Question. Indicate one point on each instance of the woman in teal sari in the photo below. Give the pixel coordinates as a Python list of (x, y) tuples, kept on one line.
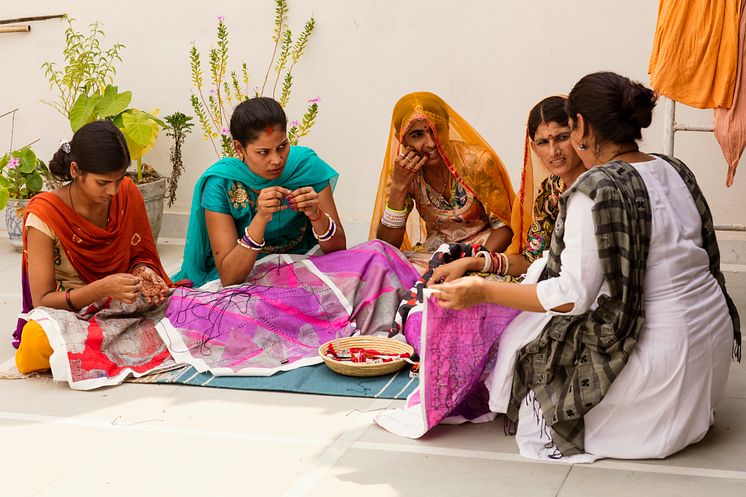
[(272, 199)]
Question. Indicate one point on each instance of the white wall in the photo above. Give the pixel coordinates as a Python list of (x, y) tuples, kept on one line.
[(490, 59)]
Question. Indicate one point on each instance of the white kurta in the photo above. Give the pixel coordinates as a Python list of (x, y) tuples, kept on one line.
[(664, 398)]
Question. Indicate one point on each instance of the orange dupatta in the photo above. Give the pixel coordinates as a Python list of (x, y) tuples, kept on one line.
[(485, 177), (97, 252)]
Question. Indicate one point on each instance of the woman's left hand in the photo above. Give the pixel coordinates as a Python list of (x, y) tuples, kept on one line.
[(305, 200), (461, 293), (154, 289)]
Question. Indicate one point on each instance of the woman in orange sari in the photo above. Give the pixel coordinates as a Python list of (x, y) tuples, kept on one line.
[(88, 240), (437, 163)]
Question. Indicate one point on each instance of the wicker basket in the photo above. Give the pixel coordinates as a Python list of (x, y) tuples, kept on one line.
[(382, 344)]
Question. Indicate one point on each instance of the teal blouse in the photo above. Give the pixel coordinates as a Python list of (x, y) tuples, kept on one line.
[(229, 187)]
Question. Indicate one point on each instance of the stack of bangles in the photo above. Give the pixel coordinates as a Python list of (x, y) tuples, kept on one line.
[(330, 232), (393, 218), (497, 263), (249, 243)]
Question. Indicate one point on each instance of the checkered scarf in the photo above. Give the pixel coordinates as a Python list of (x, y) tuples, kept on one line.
[(573, 362)]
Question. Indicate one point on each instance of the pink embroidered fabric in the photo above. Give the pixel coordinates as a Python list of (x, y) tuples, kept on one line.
[(456, 349), (290, 306)]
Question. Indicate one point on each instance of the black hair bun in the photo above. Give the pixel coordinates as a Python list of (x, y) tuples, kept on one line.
[(59, 166), (638, 103)]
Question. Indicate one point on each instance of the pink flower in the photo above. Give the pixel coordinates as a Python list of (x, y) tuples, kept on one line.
[(225, 132), (14, 162), (294, 123), (315, 100), (220, 18)]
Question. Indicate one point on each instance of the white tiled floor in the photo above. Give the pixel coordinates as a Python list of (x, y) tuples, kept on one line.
[(165, 440)]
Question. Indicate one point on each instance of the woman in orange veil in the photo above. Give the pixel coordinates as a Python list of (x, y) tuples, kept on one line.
[(437, 163)]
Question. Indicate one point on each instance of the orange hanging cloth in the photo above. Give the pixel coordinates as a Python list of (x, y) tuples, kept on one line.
[(695, 52), (730, 124)]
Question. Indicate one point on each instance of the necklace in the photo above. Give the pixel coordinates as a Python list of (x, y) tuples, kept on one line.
[(440, 191)]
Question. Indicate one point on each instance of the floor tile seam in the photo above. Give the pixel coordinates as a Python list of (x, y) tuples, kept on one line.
[(509, 457), (564, 480), (350, 439), (50, 483)]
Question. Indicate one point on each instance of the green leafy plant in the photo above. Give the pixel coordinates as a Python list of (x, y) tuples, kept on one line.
[(178, 126), (85, 91), (139, 128), (212, 101), (88, 67), (22, 175)]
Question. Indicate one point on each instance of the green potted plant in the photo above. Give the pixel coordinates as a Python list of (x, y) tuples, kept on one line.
[(178, 126), (22, 176), (85, 93), (140, 130)]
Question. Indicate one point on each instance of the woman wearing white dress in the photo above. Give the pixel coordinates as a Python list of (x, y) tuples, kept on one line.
[(625, 349)]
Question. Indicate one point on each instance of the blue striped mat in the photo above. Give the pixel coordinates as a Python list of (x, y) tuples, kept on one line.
[(317, 379)]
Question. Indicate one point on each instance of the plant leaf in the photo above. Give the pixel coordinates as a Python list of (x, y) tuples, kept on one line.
[(112, 103), (82, 112), (4, 183), (27, 158), (35, 182), (137, 127), (3, 198)]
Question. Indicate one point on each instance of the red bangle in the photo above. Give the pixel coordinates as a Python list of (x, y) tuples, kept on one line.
[(69, 301)]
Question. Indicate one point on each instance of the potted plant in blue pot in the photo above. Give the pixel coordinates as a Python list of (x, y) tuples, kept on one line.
[(22, 176)]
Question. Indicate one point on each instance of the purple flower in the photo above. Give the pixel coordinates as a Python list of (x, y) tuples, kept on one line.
[(213, 92), (315, 100), (225, 132), (14, 162), (294, 123), (220, 18)]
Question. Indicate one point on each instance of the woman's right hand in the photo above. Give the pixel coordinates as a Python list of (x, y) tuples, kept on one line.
[(407, 166), (124, 287), (270, 201)]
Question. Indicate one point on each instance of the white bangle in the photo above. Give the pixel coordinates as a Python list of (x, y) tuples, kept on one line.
[(393, 218), (487, 261), (330, 232)]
